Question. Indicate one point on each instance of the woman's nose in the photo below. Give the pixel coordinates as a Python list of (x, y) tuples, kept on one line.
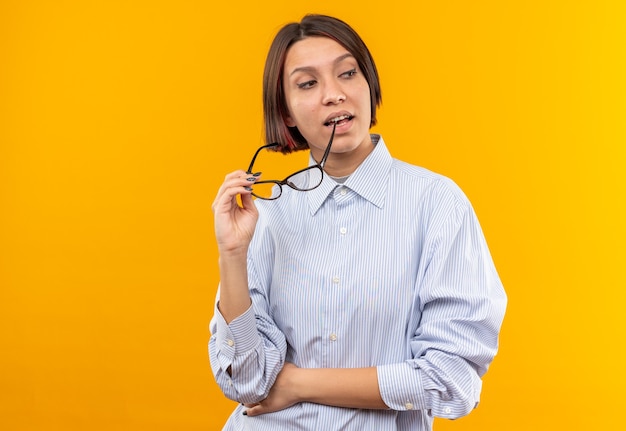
[(334, 95)]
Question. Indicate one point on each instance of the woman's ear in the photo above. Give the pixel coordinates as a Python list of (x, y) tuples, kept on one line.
[(289, 122)]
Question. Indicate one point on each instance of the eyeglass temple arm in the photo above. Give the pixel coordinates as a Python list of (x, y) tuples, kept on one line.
[(322, 162), (275, 144), (330, 143)]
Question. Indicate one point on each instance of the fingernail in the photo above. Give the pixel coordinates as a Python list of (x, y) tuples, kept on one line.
[(245, 413), (248, 188), (257, 174)]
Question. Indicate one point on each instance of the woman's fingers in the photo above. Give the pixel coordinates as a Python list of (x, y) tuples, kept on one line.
[(246, 200), (235, 222), (235, 183)]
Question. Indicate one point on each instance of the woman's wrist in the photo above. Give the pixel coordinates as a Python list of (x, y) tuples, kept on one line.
[(293, 381), (233, 254)]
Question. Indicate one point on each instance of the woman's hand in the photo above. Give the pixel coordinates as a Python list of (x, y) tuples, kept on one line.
[(234, 223), (281, 396)]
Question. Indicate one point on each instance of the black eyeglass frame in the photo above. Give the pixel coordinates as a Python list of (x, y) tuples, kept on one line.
[(286, 182)]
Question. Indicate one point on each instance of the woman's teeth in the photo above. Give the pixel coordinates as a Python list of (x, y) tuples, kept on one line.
[(338, 119)]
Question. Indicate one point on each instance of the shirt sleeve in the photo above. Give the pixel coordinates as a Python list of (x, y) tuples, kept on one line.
[(247, 354), (459, 307)]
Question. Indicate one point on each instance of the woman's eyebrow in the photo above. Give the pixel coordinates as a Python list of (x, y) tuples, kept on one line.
[(311, 68)]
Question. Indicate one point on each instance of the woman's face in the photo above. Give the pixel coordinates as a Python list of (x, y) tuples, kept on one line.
[(323, 83)]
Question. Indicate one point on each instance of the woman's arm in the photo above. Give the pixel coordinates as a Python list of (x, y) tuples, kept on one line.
[(234, 293), (234, 228), (246, 349), (339, 387)]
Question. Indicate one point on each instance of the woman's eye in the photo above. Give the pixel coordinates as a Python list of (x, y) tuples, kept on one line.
[(306, 85), (349, 74)]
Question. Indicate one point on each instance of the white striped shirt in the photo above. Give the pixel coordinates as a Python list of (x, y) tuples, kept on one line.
[(389, 269)]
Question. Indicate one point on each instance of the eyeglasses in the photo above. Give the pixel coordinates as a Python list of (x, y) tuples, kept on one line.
[(303, 180)]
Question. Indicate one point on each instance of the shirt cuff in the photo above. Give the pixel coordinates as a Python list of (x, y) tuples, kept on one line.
[(401, 387), (238, 337)]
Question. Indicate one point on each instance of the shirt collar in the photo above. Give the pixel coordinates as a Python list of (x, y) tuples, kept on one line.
[(369, 180)]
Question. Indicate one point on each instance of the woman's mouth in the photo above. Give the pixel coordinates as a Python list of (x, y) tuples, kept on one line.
[(340, 119)]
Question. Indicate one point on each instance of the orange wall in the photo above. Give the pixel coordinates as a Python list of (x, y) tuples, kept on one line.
[(118, 120)]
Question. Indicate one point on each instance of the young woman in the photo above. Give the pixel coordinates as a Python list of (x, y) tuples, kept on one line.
[(362, 296)]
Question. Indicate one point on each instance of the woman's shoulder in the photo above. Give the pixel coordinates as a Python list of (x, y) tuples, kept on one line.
[(411, 172)]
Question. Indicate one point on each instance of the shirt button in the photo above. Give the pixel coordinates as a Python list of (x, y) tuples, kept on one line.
[(343, 191), (447, 410), (343, 230), (409, 406), (231, 343), (333, 337), (335, 280)]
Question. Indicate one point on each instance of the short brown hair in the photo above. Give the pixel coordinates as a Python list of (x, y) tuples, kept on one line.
[(274, 103)]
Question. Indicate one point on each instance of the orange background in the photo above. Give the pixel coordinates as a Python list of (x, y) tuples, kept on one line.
[(118, 120)]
